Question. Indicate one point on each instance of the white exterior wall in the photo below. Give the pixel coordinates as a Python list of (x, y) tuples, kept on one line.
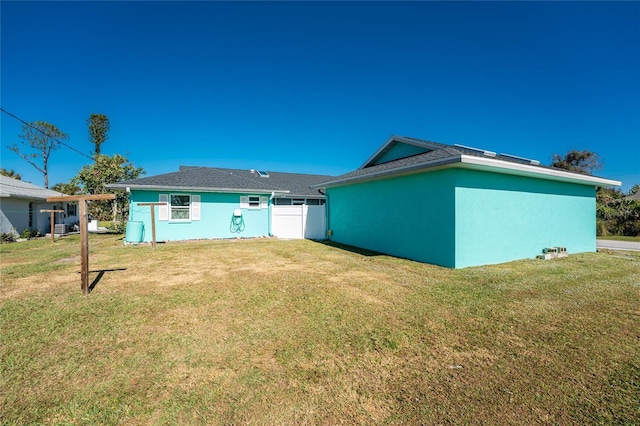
[(14, 215)]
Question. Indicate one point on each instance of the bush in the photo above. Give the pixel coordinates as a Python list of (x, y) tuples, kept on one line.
[(118, 227), (7, 237), (30, 233)]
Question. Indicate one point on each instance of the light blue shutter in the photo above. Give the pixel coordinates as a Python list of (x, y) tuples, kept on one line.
[(244, 202)]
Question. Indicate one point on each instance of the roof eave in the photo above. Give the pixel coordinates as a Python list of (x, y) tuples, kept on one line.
[(479, 163), (473, 162), (123, 187), (413, 168)]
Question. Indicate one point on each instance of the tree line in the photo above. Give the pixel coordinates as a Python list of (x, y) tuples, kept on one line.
[(40, 139)]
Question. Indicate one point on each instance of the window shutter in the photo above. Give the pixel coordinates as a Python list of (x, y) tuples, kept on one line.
[(163, 211), (195, 207), (244, 202), (264, 202)]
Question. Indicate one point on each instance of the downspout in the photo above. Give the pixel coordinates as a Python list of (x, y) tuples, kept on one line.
[(326, 214), (270, 209)]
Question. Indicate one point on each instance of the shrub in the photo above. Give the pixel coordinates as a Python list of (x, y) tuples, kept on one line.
[(7, 237), (118, 227), (30, 233)]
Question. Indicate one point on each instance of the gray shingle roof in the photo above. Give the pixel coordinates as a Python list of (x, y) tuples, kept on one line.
[(441, 155), (228, 180), (15, 188)]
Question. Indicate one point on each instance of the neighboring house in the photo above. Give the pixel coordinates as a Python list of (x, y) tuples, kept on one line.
[(457, 206), (633, 197), (207, 202), (20, 205)]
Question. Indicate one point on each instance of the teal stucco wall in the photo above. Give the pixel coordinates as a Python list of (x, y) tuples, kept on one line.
[(216, 210), (460, 217), (408, 216), (400, 150), (501, 217)]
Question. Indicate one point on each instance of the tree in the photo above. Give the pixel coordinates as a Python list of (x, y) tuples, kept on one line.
[(10, 173), (585, 162), (634, 189), (44, 138), (93, 179), (98, 128), (67, 188)]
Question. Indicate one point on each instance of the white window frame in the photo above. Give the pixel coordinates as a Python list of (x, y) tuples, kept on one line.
[(171, 207)]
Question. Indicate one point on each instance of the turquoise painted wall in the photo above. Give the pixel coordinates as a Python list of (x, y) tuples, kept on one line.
[(215, 217), (500, 217), (400, 150), (409, 216)]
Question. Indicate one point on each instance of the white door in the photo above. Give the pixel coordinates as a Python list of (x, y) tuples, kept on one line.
[(298, 222)]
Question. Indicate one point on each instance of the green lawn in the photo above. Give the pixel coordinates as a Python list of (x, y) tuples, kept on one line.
[(295, 332)]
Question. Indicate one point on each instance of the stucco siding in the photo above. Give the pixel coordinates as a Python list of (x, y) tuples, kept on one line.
[(216, 212), (400, 150), (500, 218), (14, 215), (407, 216)]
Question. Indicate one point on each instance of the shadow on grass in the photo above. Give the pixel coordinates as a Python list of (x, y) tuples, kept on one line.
[(352, 249), (98, 277)]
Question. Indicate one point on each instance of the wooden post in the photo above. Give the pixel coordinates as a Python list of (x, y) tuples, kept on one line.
[(84, 231), (153, 220), (53, 212), (84, 246)]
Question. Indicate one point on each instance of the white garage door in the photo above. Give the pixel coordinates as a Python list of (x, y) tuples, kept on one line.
[(298, 222)]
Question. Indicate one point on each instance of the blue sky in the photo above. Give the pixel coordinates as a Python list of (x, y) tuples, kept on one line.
[(318, 87)]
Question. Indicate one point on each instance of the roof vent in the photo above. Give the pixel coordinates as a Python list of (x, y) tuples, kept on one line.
[(529, 160), (262, 173), (482, 151)]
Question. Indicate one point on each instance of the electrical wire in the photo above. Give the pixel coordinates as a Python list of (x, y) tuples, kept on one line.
[(46, 134)]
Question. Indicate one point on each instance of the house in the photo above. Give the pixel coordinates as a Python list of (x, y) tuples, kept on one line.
[(20, 205), (208, 202), (633, 197), (458, 206)]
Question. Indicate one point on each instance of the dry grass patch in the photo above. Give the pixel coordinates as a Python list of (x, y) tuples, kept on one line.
[(297, 332)]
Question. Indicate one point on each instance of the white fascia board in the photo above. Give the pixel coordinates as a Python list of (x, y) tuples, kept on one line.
[(500, 166), (191, 189)]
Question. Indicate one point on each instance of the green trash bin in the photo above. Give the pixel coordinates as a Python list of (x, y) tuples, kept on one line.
[(134, 232)]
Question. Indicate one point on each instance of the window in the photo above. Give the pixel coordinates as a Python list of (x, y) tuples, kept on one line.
[(263, 173), (297, 201), (313, 202), (72, 209), (282, 201), (254, 202), (180, 207)]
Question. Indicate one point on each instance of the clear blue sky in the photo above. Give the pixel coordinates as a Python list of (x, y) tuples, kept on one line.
[(317, 87)]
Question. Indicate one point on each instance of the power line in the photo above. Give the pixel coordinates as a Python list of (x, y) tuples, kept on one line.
[(46, 134)]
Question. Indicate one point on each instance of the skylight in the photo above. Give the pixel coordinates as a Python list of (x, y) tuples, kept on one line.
[(262, 173), (480, 150), (530, 161)]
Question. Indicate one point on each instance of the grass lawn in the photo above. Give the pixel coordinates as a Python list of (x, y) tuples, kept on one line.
[(295, 332), (619, 238)]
